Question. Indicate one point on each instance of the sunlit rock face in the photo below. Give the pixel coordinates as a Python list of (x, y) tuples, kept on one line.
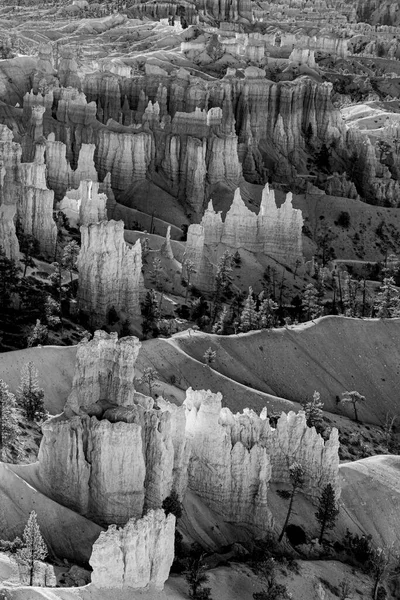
[(136, 556), (84, 205), (275, 232), (25, 196), (110, 272), (114, 454)]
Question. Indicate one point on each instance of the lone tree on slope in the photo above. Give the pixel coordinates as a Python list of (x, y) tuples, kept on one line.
[(353, 398), (296, 474), (148, 378), (327, 512), (30, 395), (34, 548)]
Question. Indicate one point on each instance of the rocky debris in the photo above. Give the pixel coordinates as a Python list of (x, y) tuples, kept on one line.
[(275, 232), (110, 272), (136, 556)]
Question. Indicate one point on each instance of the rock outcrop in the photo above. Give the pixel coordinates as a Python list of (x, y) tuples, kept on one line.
[(36, 203), (110, 272), (242, 454), (137, 556), (113, 454), (84, 205), (275, 232), (24, 196), (10, 191)]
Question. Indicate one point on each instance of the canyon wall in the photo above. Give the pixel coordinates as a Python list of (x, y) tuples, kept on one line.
[(136, 556), (185, 133), (110, 272), (275, 232)]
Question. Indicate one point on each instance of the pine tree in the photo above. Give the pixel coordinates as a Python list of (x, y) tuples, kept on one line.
[(311, 302), (353, 398), (220, 325), (30, 395), (209, 356), (296, 475), (52, 311), (29, 246), (9, 428), (249, 315), (70, 257), (148, 377), (34, 546), (223, 280), (327, 512), (387, 301), (9, 279), (196, 576), (150, 312), (313, 411), (38, 334), (266, 312)]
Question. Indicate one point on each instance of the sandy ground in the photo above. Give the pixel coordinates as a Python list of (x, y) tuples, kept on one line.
[(67, 534)]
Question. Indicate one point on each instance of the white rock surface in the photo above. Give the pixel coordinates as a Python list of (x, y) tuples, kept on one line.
[(136, 556)]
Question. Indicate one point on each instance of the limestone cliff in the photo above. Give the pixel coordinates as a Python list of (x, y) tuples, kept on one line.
[(275, 232), (110, 272), (137, 556)]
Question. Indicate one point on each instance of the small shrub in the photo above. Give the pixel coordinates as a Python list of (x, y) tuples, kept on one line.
[(343, 219)]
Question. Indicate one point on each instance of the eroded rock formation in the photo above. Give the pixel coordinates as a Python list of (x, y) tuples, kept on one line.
[(24, 195), (136, 556), (276, 232), (113, 454), (110, 272), (84, 205)]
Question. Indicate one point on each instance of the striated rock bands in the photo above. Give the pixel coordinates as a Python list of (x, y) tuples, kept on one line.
[(110, 272), (136, 556), (276, 232), (113, 454)]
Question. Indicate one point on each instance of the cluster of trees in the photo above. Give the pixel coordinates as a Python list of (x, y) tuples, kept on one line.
[(25, 298), (28, 402)]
